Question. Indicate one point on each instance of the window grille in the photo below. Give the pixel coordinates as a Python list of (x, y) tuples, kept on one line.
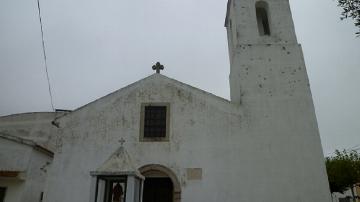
[(155, 121)]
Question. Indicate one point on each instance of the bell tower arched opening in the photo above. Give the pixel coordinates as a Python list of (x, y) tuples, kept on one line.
[(262, 18)]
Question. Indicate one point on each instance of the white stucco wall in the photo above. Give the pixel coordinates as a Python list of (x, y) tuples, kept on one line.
[(268, 78), (34, 126), (263, 145), (242, 155), (14, 156), (244, 26), (30, 163), (14, 189), (89, 134)]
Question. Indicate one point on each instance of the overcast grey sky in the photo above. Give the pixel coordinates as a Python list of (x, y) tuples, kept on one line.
[(95, 47)]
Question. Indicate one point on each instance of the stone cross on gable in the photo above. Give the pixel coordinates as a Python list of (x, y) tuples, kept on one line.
[(158, 67)]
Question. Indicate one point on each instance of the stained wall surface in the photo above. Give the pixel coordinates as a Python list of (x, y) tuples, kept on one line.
[(261, 145), (35, 126), (237, 150), (31, 166), (268, 78)]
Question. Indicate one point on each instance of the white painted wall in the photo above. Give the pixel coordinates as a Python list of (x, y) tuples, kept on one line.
[(14, 189), (262, 146), (90, 134), (268, 78), (28, 186), (32, 126), (244, 22), (243, 155), (14, 156)]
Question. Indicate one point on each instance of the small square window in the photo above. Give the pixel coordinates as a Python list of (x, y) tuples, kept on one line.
[(154, 122)]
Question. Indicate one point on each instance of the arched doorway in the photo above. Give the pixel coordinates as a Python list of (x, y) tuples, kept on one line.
[(161, 184)]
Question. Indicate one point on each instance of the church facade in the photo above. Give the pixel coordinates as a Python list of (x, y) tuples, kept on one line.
[(188, 145)]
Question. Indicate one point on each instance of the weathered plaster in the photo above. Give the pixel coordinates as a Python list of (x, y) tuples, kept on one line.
[(31, 163), (35, 126), (263, 145)]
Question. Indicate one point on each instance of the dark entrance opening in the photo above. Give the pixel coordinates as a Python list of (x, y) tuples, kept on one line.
[(158, 190), (2, 194)]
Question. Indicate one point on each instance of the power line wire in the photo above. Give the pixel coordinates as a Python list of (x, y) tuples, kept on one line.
[(44, 54)]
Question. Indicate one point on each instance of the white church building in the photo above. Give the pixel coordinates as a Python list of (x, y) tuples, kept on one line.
[(160, 140)]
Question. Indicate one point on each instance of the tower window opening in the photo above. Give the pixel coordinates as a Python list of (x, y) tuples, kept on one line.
[(262, 18)]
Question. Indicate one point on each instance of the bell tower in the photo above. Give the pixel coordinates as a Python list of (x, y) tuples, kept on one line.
[(268, 80), (265, 58)]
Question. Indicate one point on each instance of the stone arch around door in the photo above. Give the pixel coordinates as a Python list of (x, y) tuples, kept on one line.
[(155, 170)]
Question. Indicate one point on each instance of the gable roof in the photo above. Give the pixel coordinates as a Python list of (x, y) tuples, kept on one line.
[(210, 96)]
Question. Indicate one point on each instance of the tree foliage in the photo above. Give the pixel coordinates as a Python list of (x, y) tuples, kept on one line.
[(351, 9), (343, 170)]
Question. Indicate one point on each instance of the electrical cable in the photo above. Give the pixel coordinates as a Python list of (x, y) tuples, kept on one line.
[(44, 54)]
